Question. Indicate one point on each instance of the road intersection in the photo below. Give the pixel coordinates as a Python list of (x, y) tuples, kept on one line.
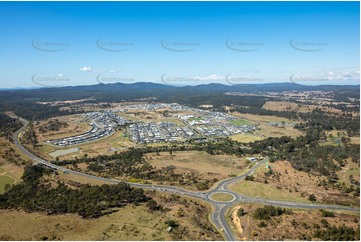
[(218, 215)]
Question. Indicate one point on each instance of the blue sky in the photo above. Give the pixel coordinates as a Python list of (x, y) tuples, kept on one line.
[(177, 43)]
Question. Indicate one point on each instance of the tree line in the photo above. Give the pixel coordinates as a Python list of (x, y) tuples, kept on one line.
[(8, 126), (35, 195)]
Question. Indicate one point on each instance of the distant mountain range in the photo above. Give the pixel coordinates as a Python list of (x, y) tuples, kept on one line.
[(117, 91), (267, 87)]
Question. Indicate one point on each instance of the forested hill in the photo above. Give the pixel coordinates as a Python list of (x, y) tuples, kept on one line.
[(121, 91), (24, 102)]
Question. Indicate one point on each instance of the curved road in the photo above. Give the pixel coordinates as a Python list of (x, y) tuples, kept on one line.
[(218, 216)]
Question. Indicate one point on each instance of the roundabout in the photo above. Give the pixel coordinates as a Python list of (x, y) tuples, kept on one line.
[(222, 197)]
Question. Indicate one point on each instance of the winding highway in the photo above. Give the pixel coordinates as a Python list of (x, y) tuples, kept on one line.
[(218, 215)]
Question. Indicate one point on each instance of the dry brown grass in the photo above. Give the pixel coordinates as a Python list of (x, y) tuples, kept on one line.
[(281, 228), (260, 118), (274, 131), (126, 223), (129, 223), (6, 145), (69, 178), (266, 131), (12, 170), (93, 148), (337, 134), (246, 138), (76, 126), (200, 162), (292, 184), (355, 140), (134, 223), (350, 168), (151, 116), (291, 106)]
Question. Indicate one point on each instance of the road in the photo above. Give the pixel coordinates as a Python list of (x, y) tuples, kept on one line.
[(218, 216)]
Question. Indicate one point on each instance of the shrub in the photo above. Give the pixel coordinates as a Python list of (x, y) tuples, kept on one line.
[(327, 213)]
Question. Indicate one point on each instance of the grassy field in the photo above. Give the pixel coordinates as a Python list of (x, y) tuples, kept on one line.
[(9, 174), (129, 223), (291, 106), (4, 179), (351, 168), (246, 138), (63, 152), (265, 132), (334, 137), (258, 189), (195, 119), (274, 131), (94, 148), (127, 116), (81, 179), (12, 170), (211, 166), (222, 197), (240, 122), (173, 120), (285, 227), (299, 184), (76, 126), (355, 140), (149, 116), (260, 118), (5, 144)]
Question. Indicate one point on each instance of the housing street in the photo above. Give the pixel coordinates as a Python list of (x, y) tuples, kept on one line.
[(199, 124), (102, 124)]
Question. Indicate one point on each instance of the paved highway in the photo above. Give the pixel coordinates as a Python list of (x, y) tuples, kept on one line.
[(218, 216)]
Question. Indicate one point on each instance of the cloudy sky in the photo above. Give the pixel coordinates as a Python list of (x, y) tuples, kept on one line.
[(178, 43)]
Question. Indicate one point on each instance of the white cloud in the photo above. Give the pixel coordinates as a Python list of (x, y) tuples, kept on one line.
[(211, 77), (326, 76), (86, 68)]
